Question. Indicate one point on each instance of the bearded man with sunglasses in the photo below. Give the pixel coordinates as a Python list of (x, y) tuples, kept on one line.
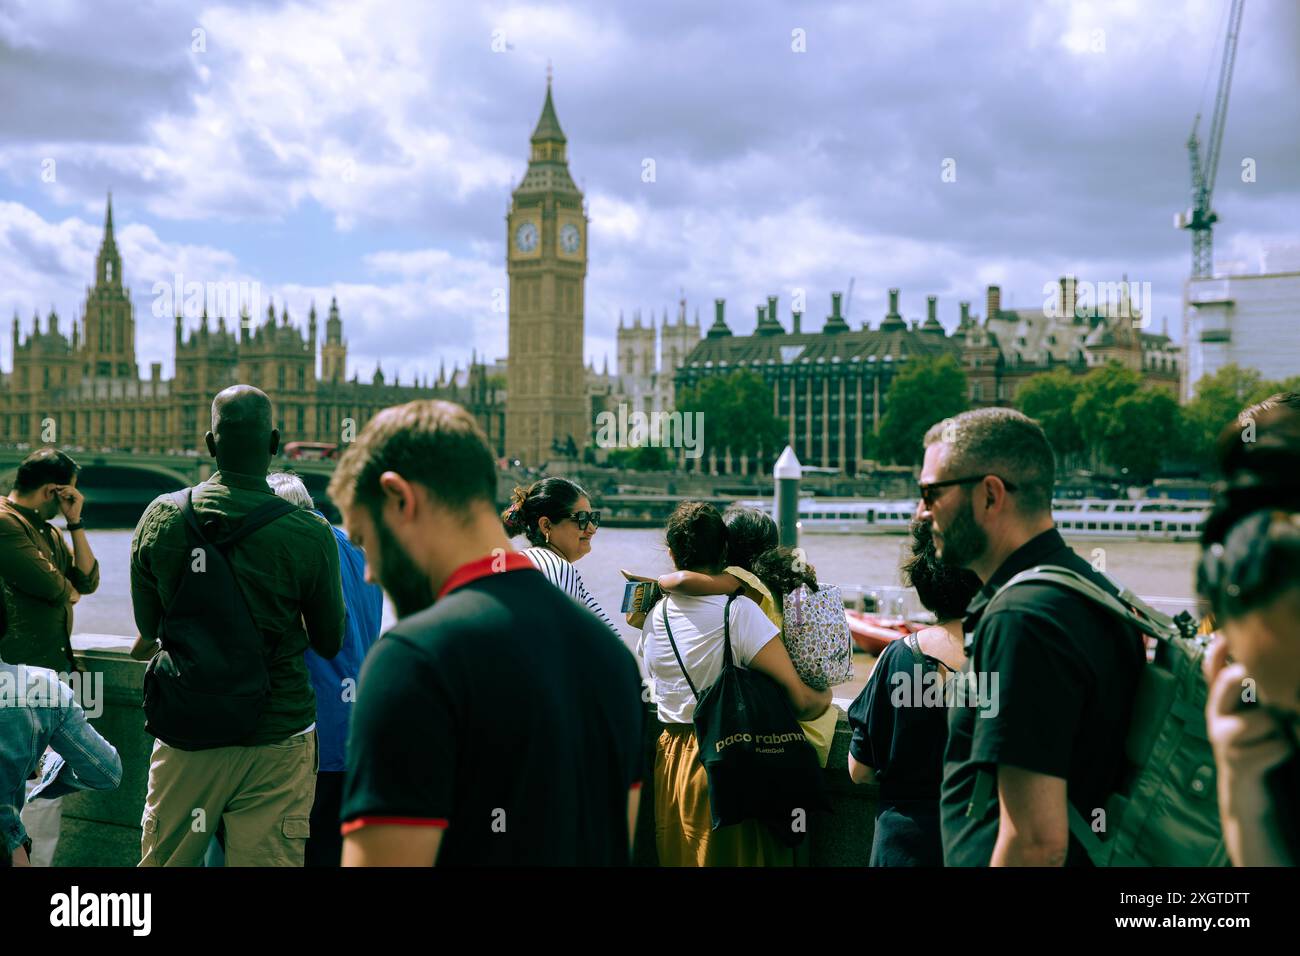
[(1063, 671)]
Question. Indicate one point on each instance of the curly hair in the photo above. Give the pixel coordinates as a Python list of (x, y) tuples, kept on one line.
[(943, 589), (784, 570), (551, 498)]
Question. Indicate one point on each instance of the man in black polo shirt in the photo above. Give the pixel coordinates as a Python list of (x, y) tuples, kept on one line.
[(1057, 673), (497, 722)]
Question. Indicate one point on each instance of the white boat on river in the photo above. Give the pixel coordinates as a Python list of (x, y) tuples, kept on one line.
[(1159, 519)]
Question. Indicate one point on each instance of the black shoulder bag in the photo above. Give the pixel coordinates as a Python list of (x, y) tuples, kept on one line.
[(759, 762)]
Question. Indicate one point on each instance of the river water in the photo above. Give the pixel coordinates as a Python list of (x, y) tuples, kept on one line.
[(1153, 569)]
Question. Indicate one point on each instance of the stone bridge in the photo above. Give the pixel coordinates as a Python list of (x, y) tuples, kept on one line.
[(119, 485)]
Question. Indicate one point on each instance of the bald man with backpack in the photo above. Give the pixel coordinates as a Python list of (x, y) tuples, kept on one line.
[(230, 585)]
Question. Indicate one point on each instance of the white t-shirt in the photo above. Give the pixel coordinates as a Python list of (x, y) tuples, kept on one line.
[(697, 628)]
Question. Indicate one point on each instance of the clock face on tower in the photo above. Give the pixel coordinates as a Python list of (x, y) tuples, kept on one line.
[(526, 237), (570, 238)]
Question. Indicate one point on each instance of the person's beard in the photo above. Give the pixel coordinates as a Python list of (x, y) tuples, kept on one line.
[(964, 541), (407, 586)]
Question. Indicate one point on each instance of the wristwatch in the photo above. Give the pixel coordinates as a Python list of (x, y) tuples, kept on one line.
[(76, 527)]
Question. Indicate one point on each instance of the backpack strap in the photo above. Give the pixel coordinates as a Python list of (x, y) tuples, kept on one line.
[(185, 502), (1127, 605), (727, 661), (913, 642), (985, 791), (1085, 834), (259, 517)]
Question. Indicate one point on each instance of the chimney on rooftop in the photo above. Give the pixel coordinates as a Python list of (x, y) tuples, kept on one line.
[(1068, 298), (835, 322), (994, 302)]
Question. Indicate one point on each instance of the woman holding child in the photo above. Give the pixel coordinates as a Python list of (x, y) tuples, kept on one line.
[(698, 543), (767, 575)]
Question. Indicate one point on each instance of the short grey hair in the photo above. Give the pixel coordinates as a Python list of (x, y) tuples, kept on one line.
[(1002, 442), (291, 488)]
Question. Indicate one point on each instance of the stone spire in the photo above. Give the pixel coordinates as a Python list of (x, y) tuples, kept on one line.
[(108, 264)]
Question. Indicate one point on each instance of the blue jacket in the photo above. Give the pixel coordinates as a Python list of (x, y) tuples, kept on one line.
[(335, 680), (37, 710)]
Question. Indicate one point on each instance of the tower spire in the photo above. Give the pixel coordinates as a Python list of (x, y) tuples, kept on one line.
[(548, 124)]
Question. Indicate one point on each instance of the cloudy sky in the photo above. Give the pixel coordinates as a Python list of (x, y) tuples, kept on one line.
[(366, 150)]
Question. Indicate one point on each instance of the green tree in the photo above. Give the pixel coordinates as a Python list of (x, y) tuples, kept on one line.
[(1291, 384), (1094, 407), (737, 410), (1049, 399), (924, 392), (1141, 431), (642, 458), (1217, 400)]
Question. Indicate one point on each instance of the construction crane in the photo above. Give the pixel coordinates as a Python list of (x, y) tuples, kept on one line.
[(1200, 218)]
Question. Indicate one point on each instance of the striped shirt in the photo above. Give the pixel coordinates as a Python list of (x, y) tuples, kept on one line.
[(565, 576)]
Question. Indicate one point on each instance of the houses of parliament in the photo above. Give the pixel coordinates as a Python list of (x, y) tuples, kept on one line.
[(829, 385), (83, 389)]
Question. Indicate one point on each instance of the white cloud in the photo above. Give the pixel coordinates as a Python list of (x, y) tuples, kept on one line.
[(774, 171)]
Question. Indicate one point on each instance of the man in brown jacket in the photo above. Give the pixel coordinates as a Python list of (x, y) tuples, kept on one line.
[(40, 580)]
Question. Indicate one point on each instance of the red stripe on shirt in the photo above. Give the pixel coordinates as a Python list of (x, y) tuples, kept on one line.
[(353, 825), (482, 567)]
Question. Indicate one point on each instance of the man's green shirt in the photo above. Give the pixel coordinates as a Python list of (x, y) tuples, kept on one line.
[(288, 571)]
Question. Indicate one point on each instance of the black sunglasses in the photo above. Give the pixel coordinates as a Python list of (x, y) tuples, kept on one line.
[(585, 518), (927, 491)]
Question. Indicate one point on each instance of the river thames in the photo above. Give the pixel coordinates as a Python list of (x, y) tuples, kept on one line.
[(1153, 569)]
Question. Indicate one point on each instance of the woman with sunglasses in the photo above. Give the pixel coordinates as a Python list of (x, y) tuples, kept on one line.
[(555, 515)]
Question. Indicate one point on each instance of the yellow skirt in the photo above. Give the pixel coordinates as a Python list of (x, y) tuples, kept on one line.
[(684, 834)]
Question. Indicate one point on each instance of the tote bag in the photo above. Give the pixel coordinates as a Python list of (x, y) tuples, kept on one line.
[(760, 764)]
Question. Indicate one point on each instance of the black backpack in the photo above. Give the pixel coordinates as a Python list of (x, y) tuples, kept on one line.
[(759, 761), (208, 684)]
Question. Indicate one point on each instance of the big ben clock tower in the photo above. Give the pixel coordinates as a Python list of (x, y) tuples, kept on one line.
[(546, 260)]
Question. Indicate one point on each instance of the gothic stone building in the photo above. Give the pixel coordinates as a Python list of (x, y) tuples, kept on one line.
[(84, 391), (829, 387)]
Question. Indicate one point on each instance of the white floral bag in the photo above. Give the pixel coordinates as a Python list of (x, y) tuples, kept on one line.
[(816, 635)]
